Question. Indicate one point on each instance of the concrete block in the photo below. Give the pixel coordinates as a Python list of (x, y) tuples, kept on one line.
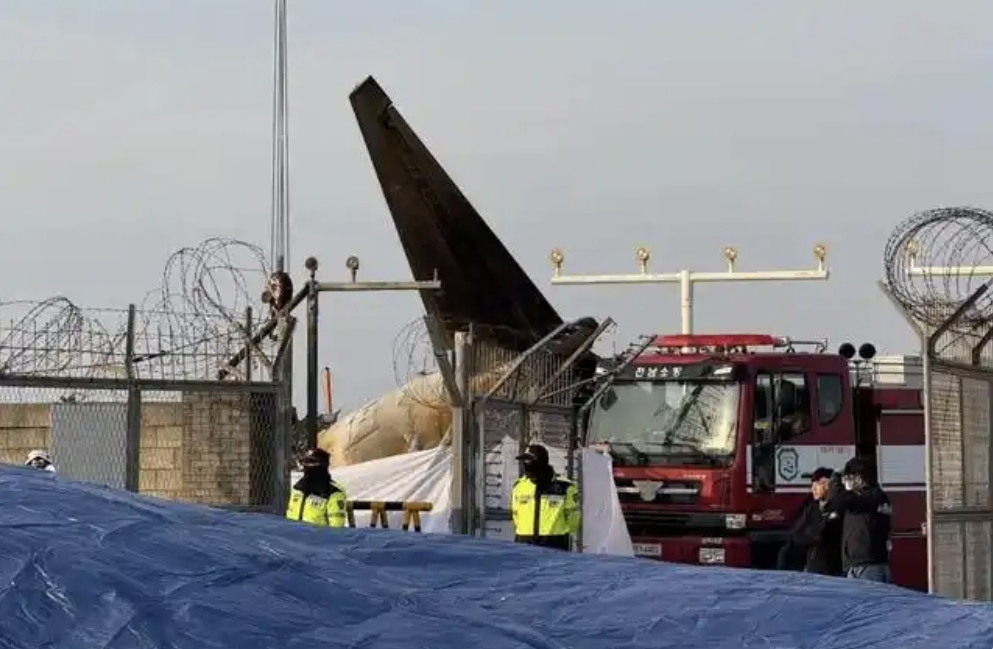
[(170, 436), (161, 414), (13, 456), (161, 479), (25, 415), (160, 458), (25, 439)]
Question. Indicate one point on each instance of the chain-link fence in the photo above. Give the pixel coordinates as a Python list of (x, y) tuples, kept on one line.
[(958, 401), (512, 400), (141, 412)]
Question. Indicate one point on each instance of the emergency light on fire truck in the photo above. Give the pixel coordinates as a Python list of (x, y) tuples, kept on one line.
[(731, 343)]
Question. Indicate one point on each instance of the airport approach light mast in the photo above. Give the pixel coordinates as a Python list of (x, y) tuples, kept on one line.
[(688, 278)]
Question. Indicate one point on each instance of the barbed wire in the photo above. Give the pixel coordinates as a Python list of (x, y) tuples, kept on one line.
[(39, 338), (415, 368), (931, 262), (187, 328)]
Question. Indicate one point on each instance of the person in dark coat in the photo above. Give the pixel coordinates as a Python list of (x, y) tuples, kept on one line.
[(867, 514), (793, 555), (818, 528)]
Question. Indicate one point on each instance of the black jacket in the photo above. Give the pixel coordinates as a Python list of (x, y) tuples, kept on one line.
[(866, 519), (818, 528)]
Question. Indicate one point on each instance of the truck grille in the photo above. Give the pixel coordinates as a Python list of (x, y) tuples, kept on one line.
[(651, 522), (667, 492)]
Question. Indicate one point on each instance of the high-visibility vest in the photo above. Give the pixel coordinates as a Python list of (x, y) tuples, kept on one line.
[(329, 511), (553, 513)]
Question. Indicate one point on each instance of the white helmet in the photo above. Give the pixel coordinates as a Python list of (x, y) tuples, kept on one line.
[(40, 460)]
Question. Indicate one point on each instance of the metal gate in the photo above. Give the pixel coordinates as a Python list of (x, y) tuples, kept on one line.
[(959, 436), (937, 266), (505, 429), (509, 400)]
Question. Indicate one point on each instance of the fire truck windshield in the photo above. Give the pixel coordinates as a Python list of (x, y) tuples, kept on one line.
[(670, 422)]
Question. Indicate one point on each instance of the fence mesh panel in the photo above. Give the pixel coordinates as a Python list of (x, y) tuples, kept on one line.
[(502, 425), (946, 440)]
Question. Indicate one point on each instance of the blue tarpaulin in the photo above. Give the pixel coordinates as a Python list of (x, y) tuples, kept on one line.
[(85, 567)]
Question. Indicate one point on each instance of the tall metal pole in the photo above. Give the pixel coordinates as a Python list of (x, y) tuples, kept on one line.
[(314, 289), (313, 304), (687, 279), (280, 216)]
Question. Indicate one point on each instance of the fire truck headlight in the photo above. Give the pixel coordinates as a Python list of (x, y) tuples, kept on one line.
[(736, 521), (711, 556)]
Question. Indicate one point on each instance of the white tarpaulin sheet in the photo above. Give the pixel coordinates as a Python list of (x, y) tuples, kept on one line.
[(427, 476), (421, 475), (604, 531)]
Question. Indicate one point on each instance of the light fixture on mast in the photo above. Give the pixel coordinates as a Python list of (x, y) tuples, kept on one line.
[(913, 253), (687, 278)]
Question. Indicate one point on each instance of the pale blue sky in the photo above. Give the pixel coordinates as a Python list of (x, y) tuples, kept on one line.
[(130, 129)]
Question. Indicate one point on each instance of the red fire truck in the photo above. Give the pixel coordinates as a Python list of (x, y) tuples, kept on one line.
[(713, 437)]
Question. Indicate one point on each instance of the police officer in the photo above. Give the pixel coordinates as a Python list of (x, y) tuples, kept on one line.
[(315, 498), (866, 519), (545, 507)]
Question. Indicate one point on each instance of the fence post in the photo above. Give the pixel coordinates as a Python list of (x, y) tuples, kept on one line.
[(283, 376), (572, 445), (461, 427), (248, 344), (576, 472), (132, 443), (313, 310)]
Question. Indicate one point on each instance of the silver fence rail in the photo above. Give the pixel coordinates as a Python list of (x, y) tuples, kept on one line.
[(136, 413)]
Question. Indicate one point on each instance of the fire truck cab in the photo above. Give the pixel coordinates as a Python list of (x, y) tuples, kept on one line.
[(713, 438)]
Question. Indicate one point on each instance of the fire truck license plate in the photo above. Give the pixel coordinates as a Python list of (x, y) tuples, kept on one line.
[(647, 549)]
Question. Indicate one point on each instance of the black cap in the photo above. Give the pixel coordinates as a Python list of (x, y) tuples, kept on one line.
[(535, 453), (820, 473), (856, 467), (316, 457)]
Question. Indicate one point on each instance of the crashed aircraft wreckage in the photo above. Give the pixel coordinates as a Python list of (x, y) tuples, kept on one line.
[(483, 286)]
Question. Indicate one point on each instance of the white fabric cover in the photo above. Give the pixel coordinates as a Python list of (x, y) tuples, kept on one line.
[(427, 475)]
